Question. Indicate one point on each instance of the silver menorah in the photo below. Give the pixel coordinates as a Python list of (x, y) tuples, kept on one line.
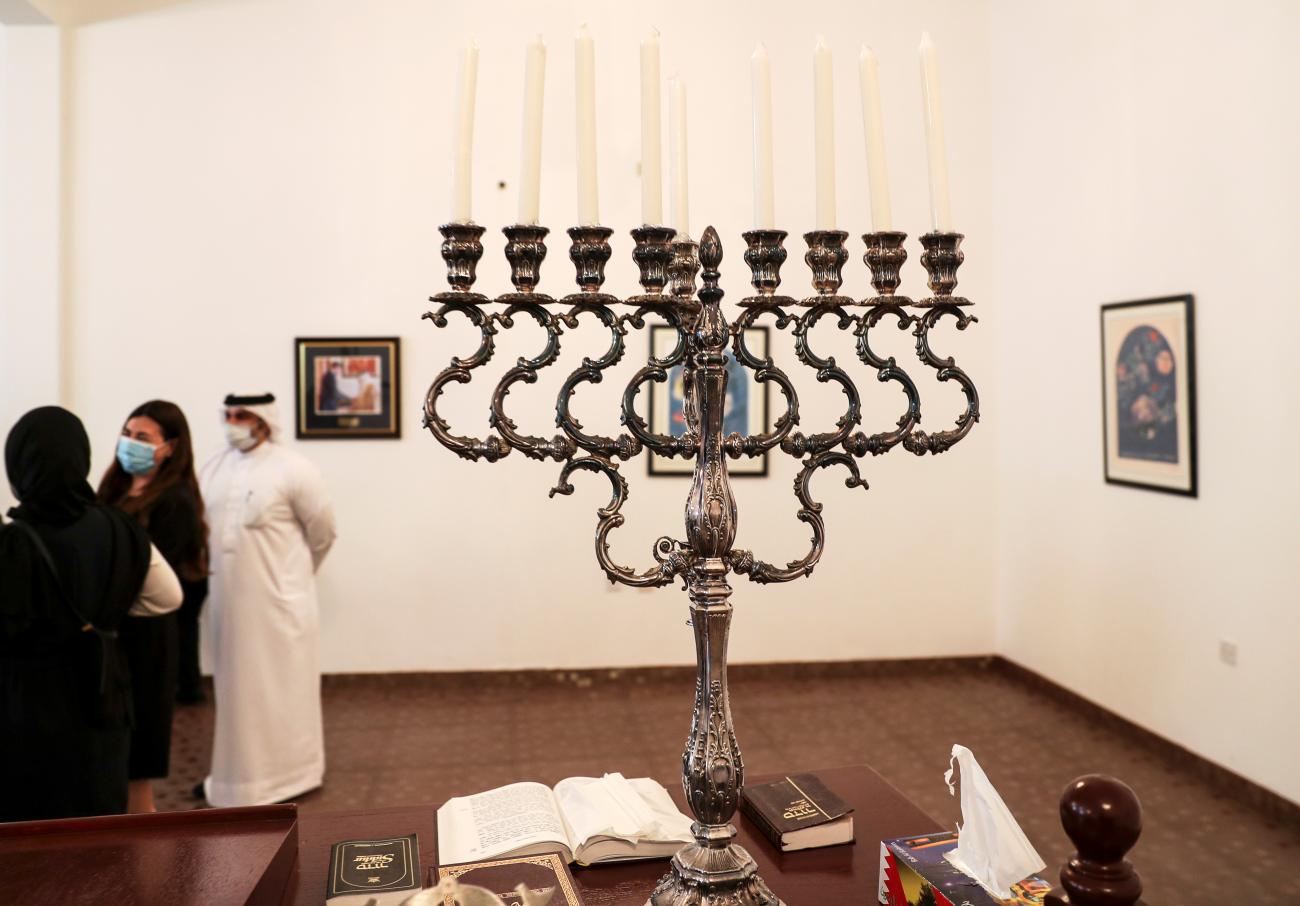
[(714, 870)]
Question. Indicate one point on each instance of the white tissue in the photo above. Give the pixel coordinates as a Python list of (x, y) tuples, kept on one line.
[(991, 847)]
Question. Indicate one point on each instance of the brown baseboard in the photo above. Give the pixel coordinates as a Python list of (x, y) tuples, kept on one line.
[(1274, 806), (590, 676)]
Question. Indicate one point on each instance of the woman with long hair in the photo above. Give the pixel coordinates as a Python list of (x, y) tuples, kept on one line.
[(152, 478), (70, 572)]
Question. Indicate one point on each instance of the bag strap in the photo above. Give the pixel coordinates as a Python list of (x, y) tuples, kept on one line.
[(35, 536)]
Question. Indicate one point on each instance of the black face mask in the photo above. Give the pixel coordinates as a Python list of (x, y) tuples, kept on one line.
[(47, 456)]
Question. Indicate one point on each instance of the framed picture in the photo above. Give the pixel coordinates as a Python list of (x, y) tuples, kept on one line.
[(1148, 377), (746, 411), (348, 388)]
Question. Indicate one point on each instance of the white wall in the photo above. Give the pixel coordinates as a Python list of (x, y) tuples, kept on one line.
[(1144, 150), (29, 221), (246, 173)]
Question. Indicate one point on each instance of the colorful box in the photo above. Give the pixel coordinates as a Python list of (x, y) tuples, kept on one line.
[(913, 872)]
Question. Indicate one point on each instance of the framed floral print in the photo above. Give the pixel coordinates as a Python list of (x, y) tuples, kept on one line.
[(1148, 367)]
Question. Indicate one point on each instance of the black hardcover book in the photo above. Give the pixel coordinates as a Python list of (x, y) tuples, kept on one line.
[(798, 812), (387, 870)]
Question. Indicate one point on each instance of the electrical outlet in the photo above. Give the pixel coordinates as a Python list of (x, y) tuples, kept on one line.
[(1228, 652)]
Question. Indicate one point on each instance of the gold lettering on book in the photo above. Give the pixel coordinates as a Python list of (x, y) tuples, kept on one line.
[(803, 808), (799, 810), (372, 863)]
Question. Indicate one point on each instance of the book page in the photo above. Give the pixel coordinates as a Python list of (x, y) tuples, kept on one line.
[(499, 822)]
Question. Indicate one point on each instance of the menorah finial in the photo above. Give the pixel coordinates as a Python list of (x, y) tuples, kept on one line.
[(710, 260)]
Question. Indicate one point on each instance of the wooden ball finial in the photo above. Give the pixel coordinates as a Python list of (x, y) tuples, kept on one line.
[(1103, 818)]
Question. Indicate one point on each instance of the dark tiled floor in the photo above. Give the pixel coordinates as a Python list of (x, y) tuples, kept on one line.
[(418, 738)]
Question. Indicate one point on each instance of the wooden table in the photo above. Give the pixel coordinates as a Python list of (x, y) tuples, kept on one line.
[(209, 857), (817, 877)]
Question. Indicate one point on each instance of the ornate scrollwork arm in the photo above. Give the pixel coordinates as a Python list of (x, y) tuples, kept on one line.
[(590, 372), (493, 447), (744, 562), (673, 557), (558, 447), (656, 370), (764, 370), (798, 444), (860, 444), (918, 441)]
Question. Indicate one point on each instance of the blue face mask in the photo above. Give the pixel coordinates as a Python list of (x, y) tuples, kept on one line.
[(135, 456)]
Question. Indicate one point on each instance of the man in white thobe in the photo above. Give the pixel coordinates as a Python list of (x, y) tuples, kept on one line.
[(271, 525)]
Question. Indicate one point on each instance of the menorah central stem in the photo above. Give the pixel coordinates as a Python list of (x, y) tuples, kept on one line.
[(712, 871)]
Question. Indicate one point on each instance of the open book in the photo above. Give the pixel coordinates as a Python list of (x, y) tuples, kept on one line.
[(588, 819)]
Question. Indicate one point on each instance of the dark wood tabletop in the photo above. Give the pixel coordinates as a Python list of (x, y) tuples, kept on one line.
[(207, 857), (816, 877)]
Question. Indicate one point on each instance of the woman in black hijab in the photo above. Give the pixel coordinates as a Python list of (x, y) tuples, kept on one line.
[(69, 572)]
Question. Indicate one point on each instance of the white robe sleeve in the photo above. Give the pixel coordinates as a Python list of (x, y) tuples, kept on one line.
[(312, 507), (161, 592)]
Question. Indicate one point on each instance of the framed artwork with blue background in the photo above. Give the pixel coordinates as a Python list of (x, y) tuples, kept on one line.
[(1148, 366), (746, 411)]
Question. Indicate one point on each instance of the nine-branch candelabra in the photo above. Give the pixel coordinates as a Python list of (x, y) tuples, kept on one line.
[(713, 870)]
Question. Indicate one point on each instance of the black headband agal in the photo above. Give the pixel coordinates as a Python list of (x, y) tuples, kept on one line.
[(236, 400)]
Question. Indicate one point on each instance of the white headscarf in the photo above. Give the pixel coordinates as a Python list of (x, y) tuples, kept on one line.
[(262, 405)]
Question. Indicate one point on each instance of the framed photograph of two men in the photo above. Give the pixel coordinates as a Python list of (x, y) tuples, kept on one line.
[(348, 388), (1148, 366)]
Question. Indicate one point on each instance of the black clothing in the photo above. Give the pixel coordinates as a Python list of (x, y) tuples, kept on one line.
[(47, 456), (189, 681), (234, 399), (330, 398), (65, 707), (151, 643)]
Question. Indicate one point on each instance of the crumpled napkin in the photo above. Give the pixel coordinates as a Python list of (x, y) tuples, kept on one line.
[(991, 847)]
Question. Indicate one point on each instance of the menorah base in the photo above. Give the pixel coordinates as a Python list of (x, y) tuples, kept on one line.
[(705, 876)]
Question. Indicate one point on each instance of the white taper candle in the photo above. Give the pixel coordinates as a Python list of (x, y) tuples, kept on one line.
[(652, 187), (936, 146), (679, 214), (824, 135), (530, 163), (462, 157), (764, 194), (874, 130), (584, 64)]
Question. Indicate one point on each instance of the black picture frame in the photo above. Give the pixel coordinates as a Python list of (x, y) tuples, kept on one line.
[(366, 394), (1148, 392), (662, 339)]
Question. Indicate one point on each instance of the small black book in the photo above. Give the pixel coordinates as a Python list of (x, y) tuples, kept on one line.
[(386, 870), (798, 812)]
